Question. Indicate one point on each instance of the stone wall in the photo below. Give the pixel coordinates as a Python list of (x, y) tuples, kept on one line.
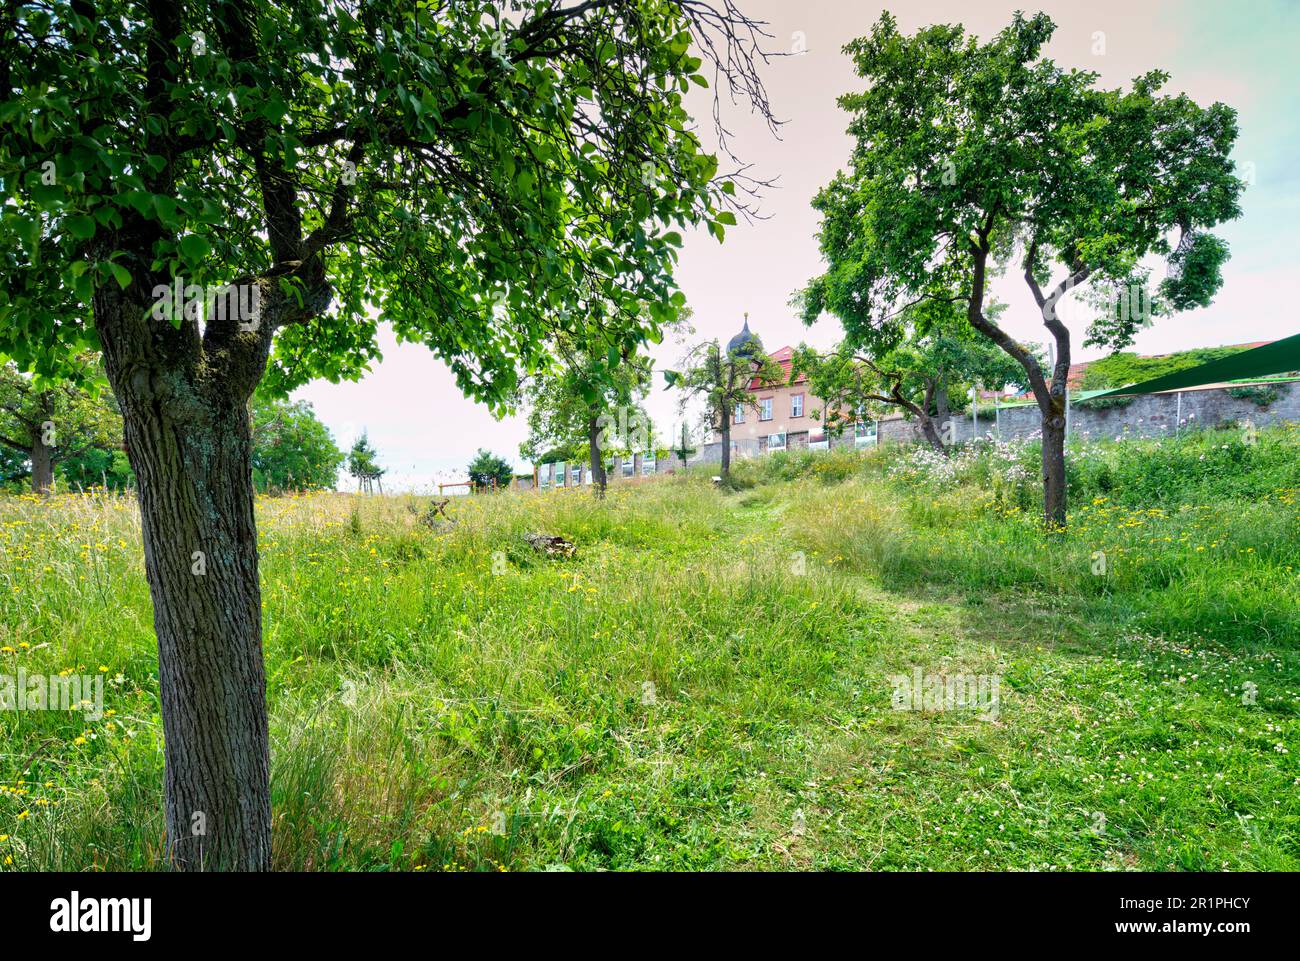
[(1148, 415)]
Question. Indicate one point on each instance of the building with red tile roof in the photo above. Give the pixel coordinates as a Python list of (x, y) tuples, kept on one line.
[(782, 417)]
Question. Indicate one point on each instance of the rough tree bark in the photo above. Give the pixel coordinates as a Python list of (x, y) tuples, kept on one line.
[(928, 422), (1054, 501), (184, 399), (942, 410), (188, 441), (42, 464), (200, 542), (931, 434)]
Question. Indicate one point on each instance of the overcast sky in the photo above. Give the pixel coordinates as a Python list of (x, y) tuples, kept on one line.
[(1242, 53)]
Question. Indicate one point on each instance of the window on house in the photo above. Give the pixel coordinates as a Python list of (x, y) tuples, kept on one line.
[(776, 441), (765, 409), (796, 405), (647, 464), (864, 433), (739, 417)]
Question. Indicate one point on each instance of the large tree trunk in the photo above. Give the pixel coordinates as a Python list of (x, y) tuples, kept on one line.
[(598, 479), (184, 399), (42, 465), (200, 549), (183, 388), (941, 409)]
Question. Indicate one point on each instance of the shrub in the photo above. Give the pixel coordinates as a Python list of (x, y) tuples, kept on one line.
[(1258, 394), (1105, 403), (832, 466)]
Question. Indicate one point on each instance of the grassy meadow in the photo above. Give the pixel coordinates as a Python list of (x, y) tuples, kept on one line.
[(706, 683)]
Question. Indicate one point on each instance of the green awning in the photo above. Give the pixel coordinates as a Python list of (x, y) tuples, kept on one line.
[(1279, 357)]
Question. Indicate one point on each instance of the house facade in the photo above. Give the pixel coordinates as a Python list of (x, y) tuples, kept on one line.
[(782, 417)]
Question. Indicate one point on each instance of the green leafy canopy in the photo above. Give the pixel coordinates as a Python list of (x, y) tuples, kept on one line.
[(971, 156), (363, 459), (723, 379), (292, 449), (487, 469), (457, 170)]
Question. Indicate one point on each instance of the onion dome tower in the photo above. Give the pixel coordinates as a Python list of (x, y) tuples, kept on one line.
[(746, 342)]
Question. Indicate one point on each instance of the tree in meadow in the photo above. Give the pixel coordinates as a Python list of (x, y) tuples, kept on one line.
[(919, 376), (488, 471), (234, 193), (573, 403), (51, 423), (725, 379), (683, 449), (363, 464), (292, 449), (972, 158)]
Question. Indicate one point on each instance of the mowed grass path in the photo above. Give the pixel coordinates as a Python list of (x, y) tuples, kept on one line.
[(704, 686)]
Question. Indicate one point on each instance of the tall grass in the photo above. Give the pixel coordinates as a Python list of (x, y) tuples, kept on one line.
[(705, 684)]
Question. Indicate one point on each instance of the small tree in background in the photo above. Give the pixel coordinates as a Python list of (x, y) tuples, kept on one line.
[(722, 380), (363, 464), (49, 423), (919, 376), (683, 448), (488, 471), (292, 449), (570, 405)]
